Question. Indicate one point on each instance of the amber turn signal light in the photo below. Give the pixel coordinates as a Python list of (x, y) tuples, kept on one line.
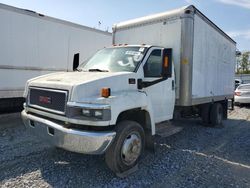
[(165, 61), (105, 92)]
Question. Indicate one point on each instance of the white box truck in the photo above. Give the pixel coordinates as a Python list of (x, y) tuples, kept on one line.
[(33, 44), (177, 63)]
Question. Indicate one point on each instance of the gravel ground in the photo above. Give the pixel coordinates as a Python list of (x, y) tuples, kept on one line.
[(196, 157)]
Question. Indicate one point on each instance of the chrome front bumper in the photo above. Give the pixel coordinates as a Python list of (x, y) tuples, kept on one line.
[(69, 139)]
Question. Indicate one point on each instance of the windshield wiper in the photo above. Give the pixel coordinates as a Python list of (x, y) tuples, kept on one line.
[(97, 70)]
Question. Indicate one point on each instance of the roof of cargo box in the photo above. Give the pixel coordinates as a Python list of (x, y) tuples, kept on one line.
[(169, 15), (48, 18)]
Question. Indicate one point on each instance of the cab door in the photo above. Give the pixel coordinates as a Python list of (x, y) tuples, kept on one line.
[(158, 83)]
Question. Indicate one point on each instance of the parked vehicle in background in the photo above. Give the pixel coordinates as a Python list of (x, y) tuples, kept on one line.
[(242, 94), (245, 78), (181, 64), (33, 44), (237, 82)]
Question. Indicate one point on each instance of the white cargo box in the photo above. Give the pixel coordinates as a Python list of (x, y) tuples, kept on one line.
[(33, 44), (204, 56)]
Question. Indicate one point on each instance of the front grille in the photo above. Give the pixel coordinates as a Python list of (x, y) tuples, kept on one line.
[(48, 99)]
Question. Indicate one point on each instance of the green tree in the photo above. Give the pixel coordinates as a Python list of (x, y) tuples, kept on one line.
[(243, 63)]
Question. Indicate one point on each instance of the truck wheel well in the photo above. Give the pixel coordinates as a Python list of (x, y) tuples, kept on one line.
[(143, 118), (140, 116)]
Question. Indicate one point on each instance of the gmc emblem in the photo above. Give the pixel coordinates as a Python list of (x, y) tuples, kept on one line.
[(45, 100)]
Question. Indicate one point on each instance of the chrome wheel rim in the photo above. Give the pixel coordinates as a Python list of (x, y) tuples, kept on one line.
[(131, 148)]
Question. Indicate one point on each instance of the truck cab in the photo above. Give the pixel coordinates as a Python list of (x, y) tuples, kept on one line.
[(110, 104)]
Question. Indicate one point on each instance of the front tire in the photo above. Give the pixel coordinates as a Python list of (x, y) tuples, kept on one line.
[(126, 149)]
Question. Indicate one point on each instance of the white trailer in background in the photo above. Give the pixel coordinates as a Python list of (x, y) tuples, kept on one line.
[(242, 78), (33, 44)]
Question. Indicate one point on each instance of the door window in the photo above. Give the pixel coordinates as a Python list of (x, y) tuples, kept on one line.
[(153, 66)]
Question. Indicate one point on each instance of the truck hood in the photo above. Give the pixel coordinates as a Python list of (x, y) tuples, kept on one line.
[(83, 86)]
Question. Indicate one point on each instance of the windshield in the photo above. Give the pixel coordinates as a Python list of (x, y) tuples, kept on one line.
[(118, 59)]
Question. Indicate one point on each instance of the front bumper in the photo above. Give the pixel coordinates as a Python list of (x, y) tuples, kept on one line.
[(69, 139)]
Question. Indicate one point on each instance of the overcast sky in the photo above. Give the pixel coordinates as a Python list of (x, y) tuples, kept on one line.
[(232, 16)]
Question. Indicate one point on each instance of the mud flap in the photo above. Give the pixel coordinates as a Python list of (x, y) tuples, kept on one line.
[(150, 141), (128, 172)]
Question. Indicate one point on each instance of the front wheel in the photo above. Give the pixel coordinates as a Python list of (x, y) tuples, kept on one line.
[(124, 152)]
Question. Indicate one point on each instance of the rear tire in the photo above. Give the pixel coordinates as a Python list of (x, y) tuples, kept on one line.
[(205, 114), (127, 147), (216, 114), (236, 103)]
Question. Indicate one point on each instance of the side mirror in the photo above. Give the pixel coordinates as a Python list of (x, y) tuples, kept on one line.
[(167, 63), (139, 84), (76, 61)]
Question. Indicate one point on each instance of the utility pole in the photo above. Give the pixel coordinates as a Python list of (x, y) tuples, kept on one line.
[(99, 24)]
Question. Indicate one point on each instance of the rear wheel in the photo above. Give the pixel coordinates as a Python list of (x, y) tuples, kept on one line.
[(236, 103), (205, 114), (216, 114), (124, 152)]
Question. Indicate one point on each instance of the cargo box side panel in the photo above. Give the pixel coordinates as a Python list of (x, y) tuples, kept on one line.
[(14, 81), (86, 43), (32, 46), (165, 34), (29, 48), (31, 42), (213, 64)]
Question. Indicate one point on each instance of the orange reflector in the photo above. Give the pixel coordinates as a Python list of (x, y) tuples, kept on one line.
[(165, 61), (105, 92)]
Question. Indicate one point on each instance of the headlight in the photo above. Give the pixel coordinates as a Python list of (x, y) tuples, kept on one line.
[(98, 114), (92, 112), (86, 112)]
